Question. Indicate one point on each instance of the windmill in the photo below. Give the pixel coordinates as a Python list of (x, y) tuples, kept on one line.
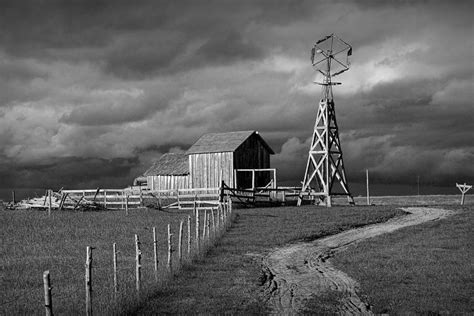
[(325, 175)]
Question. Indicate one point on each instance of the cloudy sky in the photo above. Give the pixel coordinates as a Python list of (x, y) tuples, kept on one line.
[(91, 92)]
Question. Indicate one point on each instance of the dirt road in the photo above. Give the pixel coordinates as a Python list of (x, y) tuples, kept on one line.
[(299, 271)]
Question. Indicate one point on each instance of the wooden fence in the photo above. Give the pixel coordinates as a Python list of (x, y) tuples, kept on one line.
[(210, 224)]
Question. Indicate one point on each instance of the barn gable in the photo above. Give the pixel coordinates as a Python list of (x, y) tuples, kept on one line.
[(225, 142)]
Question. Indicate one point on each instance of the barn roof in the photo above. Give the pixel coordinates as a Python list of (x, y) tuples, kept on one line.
[(169, 164), (224, 142)]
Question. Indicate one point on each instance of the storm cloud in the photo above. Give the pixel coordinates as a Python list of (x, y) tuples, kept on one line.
[(109, 86)]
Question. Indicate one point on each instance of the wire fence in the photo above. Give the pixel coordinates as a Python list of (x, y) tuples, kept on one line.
[(118, 277)]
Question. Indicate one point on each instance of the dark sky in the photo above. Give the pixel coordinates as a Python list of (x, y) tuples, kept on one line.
[(91, 92)]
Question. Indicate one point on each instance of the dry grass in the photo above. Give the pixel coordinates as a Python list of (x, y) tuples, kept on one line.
[(426, 269), (32, 242)]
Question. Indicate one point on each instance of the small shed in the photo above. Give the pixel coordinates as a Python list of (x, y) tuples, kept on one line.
[(217, 157), (171, 171)]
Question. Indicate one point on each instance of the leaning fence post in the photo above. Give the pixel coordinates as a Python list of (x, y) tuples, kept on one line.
[(48, 303), (170, 250), (88, 281), (138, 266), (114, 249), (189, 237), (155, 253), (180, 243)]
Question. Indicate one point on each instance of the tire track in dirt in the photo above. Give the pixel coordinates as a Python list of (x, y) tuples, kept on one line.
[(297, 272)]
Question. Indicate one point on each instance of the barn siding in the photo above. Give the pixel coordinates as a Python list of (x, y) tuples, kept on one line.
[(252, 154), (168, 182), (206, 169)]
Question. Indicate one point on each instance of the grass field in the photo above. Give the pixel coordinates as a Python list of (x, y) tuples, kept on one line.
[(229, 279), (425, 269), (32, 242)]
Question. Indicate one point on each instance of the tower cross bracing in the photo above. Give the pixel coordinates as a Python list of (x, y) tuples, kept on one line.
[(325, 175)]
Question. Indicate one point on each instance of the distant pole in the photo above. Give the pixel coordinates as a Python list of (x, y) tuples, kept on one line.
[(367, 181), (13, 197), (48, 304), (418, 184)]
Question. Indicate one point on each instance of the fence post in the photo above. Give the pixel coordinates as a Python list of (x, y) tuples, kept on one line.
[(48, 303), (126, 204), (105, 198), (88, 281), (189, 237), (170, 250), (114, 249), (208, 227), (138, 267), (213, 224), (180, 243), (49, 202), (141, 197), (155, 254), (204, 230), (177, 198), (13, 197), (221, 192), (196, 212)]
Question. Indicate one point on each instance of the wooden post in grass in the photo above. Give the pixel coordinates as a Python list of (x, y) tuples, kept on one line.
[(204, 230), (126, 204), (49, 202), (105, 199), (138, 265), (463, 188), (196, 212), (208, 227), (189, 236), (180, 243), (367, 183), (89, 281), (170, 250), (155, 253), (13, 197), (213, 224), (114, 250), (141, 196), (48, 302), (177, 198)]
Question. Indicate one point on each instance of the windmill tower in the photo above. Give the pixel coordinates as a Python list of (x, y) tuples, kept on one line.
[(325, 175)]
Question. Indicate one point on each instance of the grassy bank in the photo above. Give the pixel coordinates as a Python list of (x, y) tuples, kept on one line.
[(32, 242), (426, 269), (229, 279)]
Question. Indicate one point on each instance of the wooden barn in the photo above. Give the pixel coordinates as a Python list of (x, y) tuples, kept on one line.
[(240, 159)]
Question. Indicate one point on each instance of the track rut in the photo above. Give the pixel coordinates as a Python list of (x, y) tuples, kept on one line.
[(298, 272)]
